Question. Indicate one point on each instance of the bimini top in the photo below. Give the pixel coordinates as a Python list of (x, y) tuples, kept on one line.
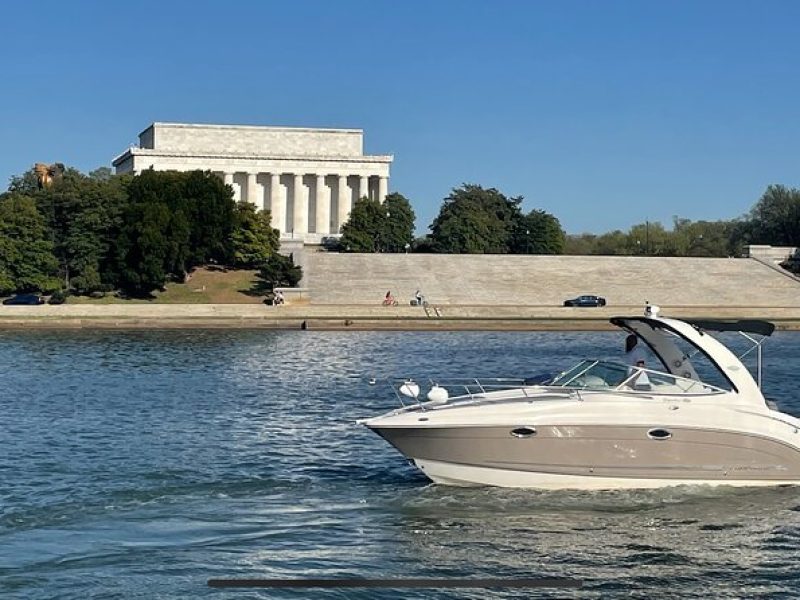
[(764, 328), (659, 334)]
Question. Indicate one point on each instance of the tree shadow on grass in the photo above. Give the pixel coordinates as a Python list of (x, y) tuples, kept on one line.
[(259, 287)]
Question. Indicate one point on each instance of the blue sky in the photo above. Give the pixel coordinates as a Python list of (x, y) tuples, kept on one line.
[(602, 113)]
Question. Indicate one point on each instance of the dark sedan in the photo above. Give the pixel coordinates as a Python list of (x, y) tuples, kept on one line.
[(25, 299), (586, 301)]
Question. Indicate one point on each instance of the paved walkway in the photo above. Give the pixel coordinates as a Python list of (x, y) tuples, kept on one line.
[(357, 316)]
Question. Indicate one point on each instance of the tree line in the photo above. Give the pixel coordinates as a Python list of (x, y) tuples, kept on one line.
[(478, 220), (472, 220), (773, 220), (98, 232)]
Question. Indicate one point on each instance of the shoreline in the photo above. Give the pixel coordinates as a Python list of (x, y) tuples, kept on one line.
[(361, 317)]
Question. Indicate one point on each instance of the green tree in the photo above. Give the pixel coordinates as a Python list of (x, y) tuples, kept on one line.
[(209, 204), (775, 218), (279, 271), (26, 254), (27, 183), (702, 238), (474, 220), (538, 232), (363, 229), (580, 244), (397, 232), (422, 245), (611, 243), (83, 215), (174, 221), (649, 239), (254, 238), (101, 174), (144, 248), (740, 235)]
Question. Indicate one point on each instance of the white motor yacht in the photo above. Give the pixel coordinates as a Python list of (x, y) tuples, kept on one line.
[(607, 425)]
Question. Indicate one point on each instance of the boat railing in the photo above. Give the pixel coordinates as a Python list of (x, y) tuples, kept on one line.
[(462, 388), (587, 376)]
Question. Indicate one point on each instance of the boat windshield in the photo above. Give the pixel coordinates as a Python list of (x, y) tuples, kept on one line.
[(598, 374)]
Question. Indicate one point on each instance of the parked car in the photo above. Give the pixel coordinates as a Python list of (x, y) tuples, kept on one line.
[(28, 299), (586, 301)]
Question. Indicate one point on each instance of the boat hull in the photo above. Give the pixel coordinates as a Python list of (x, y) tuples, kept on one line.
[(596, 456), (469, 476)]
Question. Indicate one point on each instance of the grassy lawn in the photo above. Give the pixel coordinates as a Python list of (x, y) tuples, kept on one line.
[(205, 286)]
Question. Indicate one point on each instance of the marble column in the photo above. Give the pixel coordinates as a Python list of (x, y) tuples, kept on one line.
[(383, 188), (300, 208), (228, 178), (344, 201), (277, 203), (363, 188), (323, 207), (252, 197)]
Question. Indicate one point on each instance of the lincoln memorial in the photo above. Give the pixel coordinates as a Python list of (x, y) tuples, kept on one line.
[(307, 178)]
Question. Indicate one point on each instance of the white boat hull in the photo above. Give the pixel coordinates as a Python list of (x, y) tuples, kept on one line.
[(471, 476)]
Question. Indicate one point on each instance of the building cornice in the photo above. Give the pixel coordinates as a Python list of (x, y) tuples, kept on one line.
[(249, 127), (130, 152)]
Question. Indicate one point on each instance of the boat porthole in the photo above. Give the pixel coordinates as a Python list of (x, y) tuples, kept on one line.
[(523, 432), (422, 419), (659, 434)]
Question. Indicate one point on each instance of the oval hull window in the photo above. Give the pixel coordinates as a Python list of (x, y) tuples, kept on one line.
[(523, 432), (659, 434)]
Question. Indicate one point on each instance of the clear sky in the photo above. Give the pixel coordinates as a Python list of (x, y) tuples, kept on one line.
[(604, 113)]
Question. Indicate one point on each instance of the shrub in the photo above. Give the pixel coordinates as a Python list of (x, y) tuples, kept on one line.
[(58, 297), (279, 271)]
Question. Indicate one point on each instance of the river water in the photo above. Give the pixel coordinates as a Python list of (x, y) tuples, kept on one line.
[(141, 464)]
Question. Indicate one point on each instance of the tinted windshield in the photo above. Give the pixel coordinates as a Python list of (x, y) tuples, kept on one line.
[(592, 373), (595, 374)]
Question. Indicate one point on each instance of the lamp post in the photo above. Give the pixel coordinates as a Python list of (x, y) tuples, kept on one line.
[(527, 241), (386, 232), (697, 245)]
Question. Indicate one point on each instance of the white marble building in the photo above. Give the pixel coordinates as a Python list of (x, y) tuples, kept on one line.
[(307, 178)]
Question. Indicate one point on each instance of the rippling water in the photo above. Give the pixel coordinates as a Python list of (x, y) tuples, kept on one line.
[(141, 464)]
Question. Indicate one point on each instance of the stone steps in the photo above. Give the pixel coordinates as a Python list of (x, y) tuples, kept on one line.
[(334, 278)]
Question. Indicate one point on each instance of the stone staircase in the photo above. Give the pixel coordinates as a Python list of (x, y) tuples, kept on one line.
[(498, 280)]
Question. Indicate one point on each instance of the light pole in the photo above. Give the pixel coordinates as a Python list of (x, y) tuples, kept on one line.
[(386, 231), (697, 245), (527, 241)]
